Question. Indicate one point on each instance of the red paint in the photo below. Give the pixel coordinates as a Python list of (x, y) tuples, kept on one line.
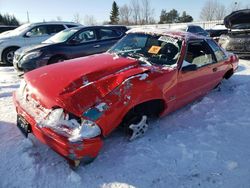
[(113, 82)]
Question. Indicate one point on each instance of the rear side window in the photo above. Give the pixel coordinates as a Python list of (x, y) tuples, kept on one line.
[(109, 33), (219, 54), (52, 29)]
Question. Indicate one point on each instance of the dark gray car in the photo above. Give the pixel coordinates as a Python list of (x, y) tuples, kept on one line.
[(238, 38), (68, 44)]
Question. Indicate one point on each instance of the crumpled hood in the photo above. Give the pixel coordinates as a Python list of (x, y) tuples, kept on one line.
[(78, 84), (238, 20)]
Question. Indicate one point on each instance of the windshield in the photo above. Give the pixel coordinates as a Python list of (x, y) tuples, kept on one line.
[(160, 50), (61, 36)]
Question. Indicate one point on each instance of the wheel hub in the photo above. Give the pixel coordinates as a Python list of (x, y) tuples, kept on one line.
[(10, 56), (139, 129)]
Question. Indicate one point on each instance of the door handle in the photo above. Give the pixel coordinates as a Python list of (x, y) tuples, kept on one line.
[(215, 69), (97, 46)]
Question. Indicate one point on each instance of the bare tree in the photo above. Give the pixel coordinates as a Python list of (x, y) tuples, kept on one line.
[(212, 10), (146, 11), (89, 20), (125, 14), (136, 8), (220, 12), (77, 18)]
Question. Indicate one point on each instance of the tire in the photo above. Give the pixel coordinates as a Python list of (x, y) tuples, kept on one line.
[(56, 59), (8, 55)]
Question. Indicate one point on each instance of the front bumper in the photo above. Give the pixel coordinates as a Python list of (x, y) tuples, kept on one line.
[(87, 148), (25, 66)]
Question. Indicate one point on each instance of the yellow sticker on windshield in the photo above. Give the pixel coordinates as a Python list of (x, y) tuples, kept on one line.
[(154, 49)]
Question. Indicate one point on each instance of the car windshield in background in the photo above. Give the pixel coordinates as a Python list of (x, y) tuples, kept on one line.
[(61, 36), (160, 50)]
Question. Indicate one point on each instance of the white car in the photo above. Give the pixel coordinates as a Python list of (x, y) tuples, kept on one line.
[(28, 34)]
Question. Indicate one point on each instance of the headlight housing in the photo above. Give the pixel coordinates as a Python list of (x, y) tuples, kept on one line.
[(67, 124), (32, 55)]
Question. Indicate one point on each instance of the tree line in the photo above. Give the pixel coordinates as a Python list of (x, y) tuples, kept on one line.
[(139, 12), (7, 19)]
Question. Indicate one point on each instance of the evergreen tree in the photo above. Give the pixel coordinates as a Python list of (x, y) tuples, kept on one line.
[(8, 20), (185, 18), (114, 14)]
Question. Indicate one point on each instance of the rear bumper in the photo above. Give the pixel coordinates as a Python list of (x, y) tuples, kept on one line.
[(87, 148)]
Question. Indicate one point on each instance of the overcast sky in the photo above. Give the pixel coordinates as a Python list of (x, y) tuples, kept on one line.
[(66, 9)]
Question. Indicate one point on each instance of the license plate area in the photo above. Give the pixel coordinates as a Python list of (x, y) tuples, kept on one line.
[(23, 125)]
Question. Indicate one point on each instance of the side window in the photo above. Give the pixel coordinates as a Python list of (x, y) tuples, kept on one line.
[(52, 29), (85, 36), (198, 53), (219, 54), (192, 29), (38, 31), (109, 33)]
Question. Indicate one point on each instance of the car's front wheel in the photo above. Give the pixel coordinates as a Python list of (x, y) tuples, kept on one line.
[(138, 128), (8, 55)]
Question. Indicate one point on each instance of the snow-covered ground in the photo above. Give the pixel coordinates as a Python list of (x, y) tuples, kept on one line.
[(206, 144)]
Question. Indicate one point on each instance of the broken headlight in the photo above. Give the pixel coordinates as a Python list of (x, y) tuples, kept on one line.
[(76, 128)]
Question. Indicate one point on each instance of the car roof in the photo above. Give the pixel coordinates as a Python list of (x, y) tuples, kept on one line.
[(163, 31), (55, 22), (98, 26)]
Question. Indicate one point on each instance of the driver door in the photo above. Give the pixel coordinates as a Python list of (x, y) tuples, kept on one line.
[(36, 35), (84, 43), (194, 83)]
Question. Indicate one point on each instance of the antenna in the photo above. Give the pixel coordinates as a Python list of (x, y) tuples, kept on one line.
[(28, 17)]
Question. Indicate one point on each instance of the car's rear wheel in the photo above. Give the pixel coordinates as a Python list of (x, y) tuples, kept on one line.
[(8, 55)]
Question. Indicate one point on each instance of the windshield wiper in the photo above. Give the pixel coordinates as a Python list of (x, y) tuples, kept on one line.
[(139, 57)]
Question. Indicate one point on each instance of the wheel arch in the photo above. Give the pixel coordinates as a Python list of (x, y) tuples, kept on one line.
[(56, 56), (152, 107), (228, 74), (9, 47)]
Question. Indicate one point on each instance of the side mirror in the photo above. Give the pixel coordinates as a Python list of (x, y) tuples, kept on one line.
[(74, 41), (28, 34), (191, 67)]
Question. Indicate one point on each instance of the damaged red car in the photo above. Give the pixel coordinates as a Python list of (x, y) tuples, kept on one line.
[(73, 105)]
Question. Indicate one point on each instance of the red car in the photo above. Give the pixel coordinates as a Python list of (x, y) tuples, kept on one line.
[(71, 106)]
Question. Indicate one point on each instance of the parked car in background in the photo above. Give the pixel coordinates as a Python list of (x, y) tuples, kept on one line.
[(71, 106), (28, 34), (238, 38), (216, 31), (68, 44), (196, 29), (4, 28)]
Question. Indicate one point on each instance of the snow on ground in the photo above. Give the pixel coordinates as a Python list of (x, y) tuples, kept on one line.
[(205, 144)]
